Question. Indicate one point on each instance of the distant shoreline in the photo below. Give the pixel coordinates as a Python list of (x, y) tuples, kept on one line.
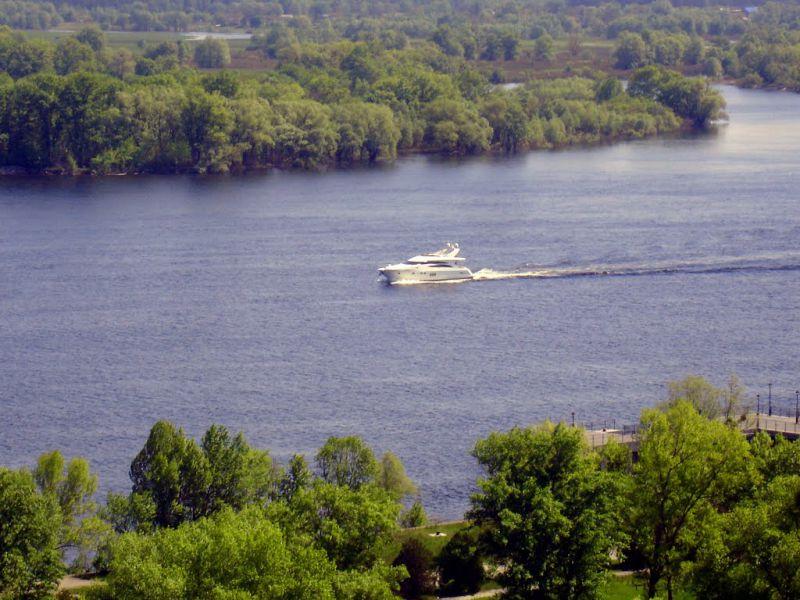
[(9, 171)]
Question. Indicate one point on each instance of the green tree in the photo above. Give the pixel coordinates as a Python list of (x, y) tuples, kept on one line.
[(392, 477), (134, 512), (237, 474), (30, 524), (608, 89), (207, 124), (461, 565), (631, 51), (20, 57), (549, 512), (695, 51), (347, 461), (212, 53), (86, 120), (224, 83), (235, 556), (152, 116), (172, 470), (753, 551), (691, 98), (415, 516), (31, 107), (668, 50), (354, 526), (700, 393), (296, 477), (774, 457), (510, 42), (72, 485), (121, 63), (455, 128), (446, 39), (418, 562), (304, 134), (72, 55), (93, 37), (688, 466), (712, 68), (253, 130), (509, 123), (543, 47), (366, 132)]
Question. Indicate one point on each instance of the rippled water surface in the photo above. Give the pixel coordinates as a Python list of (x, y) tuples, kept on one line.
[(254, 301)]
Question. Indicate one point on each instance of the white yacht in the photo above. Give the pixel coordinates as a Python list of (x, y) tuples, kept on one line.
[(439, 266)]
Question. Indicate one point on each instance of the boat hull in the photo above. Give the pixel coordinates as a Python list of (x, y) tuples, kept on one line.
[(407, 274)]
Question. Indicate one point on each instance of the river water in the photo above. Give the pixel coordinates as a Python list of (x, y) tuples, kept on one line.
[(253, 301)]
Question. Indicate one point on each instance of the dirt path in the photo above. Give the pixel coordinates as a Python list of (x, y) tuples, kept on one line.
[(73, 583), (486, 594)]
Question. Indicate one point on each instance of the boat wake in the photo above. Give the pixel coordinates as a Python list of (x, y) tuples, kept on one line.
[(783, 262)]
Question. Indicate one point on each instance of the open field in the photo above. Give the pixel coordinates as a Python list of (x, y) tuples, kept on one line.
[(427, 536), (632, 588), (132, 39)]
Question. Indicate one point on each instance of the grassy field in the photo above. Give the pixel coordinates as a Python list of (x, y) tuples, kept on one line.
[(130, 39), (427, 536), (631, 588)]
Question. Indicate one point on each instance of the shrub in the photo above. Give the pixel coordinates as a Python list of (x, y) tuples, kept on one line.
[(461, 565), (414, 516), (418, 561)]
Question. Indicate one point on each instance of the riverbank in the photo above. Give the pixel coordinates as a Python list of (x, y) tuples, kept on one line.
[(11, 171)]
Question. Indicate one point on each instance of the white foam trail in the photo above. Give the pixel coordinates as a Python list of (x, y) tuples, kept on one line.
[(491, 274), (725, 264)]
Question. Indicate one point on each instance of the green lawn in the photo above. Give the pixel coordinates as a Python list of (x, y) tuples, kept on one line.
[(129, 39), (631, 588), (425, 535)]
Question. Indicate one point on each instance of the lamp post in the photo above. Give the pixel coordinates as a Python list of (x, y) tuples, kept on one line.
[(758, 411), (769, 385), (797, 406)]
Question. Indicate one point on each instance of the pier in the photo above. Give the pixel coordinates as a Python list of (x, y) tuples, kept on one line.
[(750, 424)]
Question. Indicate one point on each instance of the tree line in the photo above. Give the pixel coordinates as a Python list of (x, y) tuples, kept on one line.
[(525, 16), (702, 510), (77, 106), (217, 518), (756, 48)]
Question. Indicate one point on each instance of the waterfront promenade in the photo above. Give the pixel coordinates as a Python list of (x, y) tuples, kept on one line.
[(750, 424)]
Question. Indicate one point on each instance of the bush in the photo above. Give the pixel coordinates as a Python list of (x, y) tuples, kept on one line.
[(414, 516), (461, 565), (752, 80), (418, 561), (212, 54), (30, 564)]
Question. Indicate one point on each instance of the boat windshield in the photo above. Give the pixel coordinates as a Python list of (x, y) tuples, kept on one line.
[(450, 249)]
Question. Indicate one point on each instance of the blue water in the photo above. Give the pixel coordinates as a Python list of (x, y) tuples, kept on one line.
[(254, 302)]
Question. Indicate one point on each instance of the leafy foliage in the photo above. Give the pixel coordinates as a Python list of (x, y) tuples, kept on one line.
[(234, 555), (80, 106), (548, 510), (418, 562), (688, 467), (691, 98), (30, 524), (185, 481), (347, 462), (352, 525), (461, 565)]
